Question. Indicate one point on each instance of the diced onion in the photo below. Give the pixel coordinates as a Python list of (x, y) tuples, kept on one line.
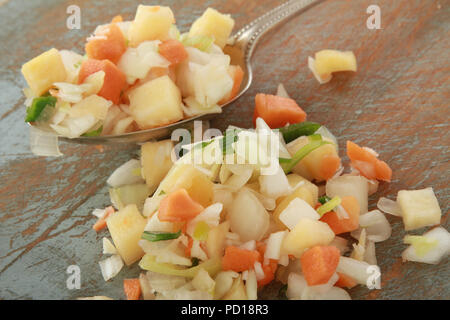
[(389, 206), (211, 215), (347, 185), (327, 135), (281, 91), (341, 212), (259, 272), (323, 288), (296, 210), (111, 266), (44, 143), (249, 245), (296, 286), (370, 254), (357, 270), (341, 244), (99, 213), (147, 291), (275, 185), (431, 254), (251, 286), (124, 174), (108, 247)]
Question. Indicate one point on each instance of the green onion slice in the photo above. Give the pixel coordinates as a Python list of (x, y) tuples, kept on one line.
[(329, 206), (160, 236), (422, 245)]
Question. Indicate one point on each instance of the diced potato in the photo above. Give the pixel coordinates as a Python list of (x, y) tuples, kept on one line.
[(150, 23), (306, 234), (156, 103), (198, 185), (126, 227), (294, 179), (215, 243), (44, 70), (420, 208), (156, 161), (309, 167), (237, 291), (329, 61), (302, 192), (213, 24)]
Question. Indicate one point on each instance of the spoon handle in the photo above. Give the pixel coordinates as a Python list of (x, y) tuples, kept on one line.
[(249, 35)]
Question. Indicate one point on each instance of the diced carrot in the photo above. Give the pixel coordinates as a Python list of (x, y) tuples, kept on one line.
[(277, 111), (339, 226), (101, 222), (132, 288), (345, 281), (178, 206), (269, 269), (239, 260), (329, 164), (117, 18), (173, 50), (109, 45), (188, 249), (237, 74), (114, 82), (367, 163), (319, 264)]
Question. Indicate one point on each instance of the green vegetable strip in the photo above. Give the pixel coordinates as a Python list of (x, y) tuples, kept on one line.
[(37, 106), (324, 199), (301, 153), (160, 236), (292, 132), (93, 133), (202, 43), (328, 206)]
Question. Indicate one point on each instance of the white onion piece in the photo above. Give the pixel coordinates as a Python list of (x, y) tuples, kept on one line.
[(224, 281), (162, 283), (370, 255), (389, 206), (273, 249), (156, 225), (211, 216), (236, 182), (348, 185), (147, 291), (284, 260), (197, 251), (99, 213), (251, 286), (151, 204), (373, 186), (111, 266), (108, 247), (249, 245), (296, 286), (341, 212), (281, 91), (268, 203), (259, 272), (341, 244), (377, 226), (44, 143), (247, 216), (323, 288), (434, 255), (125, 174), (357, 270), (296, 210)]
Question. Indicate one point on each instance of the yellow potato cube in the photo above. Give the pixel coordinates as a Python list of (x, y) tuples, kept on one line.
[(213, 24), (156, 103), (44, 70), (294, 179), (420, 208), (306, 234), (156, 161), (329, 61), (150, 23), (126, 227)]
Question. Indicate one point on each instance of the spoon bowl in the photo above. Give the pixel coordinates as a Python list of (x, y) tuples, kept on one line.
[(240, 50)]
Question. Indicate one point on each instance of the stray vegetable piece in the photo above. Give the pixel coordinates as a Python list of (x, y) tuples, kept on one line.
[(420, 208), (107, 45), (319, 264), (431, 247), (277, 111), (43, 71), (327, 62), (132, 289), (367, 163), (178, 206)]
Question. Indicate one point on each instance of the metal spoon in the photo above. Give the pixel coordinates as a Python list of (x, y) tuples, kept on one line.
[(244, 43)]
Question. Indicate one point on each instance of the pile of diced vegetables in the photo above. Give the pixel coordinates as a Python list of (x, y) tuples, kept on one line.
[(215, 230), (135, 75)]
